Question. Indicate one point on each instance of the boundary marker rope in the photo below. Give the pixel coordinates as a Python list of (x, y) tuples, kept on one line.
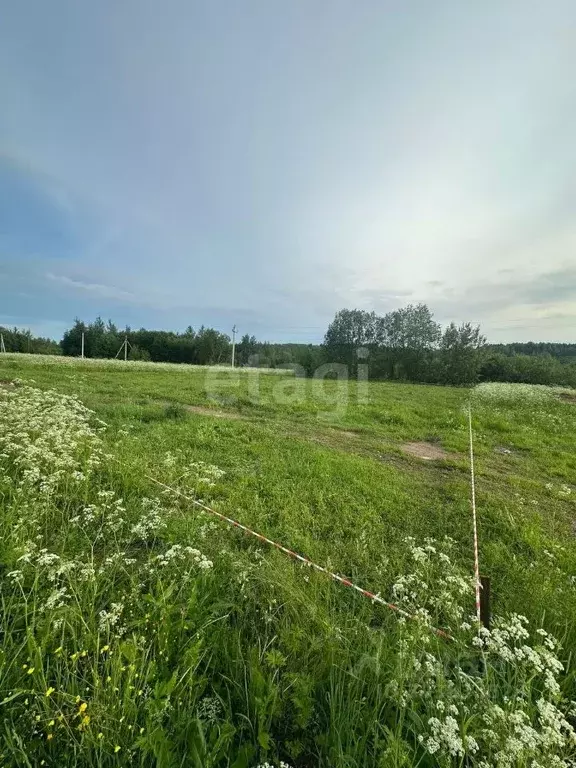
[(340, 579)]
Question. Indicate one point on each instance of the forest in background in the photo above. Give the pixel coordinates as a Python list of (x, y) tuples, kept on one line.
[(406, 345)]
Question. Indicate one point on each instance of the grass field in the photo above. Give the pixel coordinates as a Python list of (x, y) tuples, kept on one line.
[(137, 630)]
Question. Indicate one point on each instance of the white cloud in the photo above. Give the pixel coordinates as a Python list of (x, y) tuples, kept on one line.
[(104, 291), (235, 164)]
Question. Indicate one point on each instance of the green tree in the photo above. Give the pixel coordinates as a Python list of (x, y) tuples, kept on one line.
[(247, 347), (72, 340), (460, 357), (350, 330), (408, 338)]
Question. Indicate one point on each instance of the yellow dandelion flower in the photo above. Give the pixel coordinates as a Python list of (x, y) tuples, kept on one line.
[(83, 707), (50, 691), (50, 736), (86, 720)]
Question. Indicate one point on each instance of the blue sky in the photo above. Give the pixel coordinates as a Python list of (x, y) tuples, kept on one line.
[(266, 163)]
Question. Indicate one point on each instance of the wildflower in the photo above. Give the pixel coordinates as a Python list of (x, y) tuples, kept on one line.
[(109, 619), (117, 748), (49, 691), (30, 671)]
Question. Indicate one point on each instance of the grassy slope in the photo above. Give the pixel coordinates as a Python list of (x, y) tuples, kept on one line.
[(335, 484)]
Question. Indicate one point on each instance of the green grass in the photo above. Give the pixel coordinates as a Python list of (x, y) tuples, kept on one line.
[(258, 659)]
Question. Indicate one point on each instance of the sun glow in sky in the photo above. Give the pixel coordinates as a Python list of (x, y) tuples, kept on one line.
[(266, 163)]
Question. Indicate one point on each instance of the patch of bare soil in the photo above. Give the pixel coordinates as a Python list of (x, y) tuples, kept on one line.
[(425, 451), (568, 396)]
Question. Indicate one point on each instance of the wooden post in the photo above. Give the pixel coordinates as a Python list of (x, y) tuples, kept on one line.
[(485, 601)]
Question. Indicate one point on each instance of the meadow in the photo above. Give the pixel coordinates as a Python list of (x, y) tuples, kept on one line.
[(136, 629)]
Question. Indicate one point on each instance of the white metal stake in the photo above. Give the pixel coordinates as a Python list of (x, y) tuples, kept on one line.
[(125, 348), (233, 344), (82, 344), (478, 584)]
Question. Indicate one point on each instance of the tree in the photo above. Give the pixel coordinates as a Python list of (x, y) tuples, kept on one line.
[(137, 353), (22, 340), (247, 347), (460, 353), (350, 330), (212, 346), (72, 340), (410, 335)]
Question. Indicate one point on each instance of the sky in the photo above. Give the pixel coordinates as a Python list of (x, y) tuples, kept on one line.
[(266, 163)]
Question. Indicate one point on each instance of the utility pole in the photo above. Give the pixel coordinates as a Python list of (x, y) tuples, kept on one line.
[(82, 355), (2, 345), (234, 332), (124, 346)]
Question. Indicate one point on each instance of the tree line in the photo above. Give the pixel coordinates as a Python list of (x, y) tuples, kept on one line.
[(406, 344), (20, 340), (206, 346), (566, 353)]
